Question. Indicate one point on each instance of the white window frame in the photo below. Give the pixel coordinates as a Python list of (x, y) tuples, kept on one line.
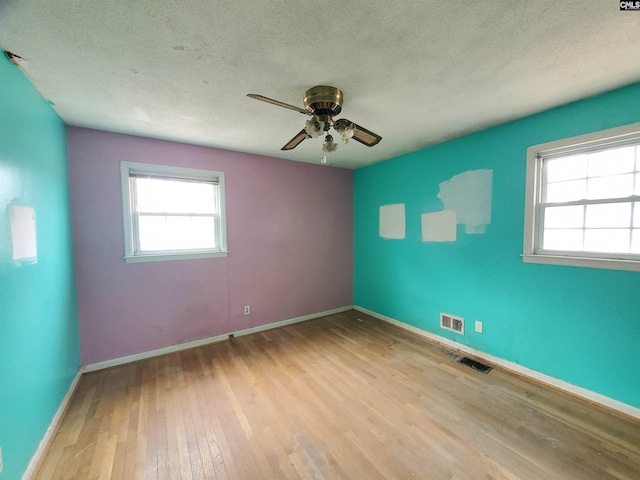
[(128, 209), (614, 137)]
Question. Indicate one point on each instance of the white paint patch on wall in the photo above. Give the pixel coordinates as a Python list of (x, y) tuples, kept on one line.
[(22, 222), (439, 226), (392, 221), (469, 194)]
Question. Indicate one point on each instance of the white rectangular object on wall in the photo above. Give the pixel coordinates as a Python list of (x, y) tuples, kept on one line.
[(439, 226), (392, 221), (22, 222)]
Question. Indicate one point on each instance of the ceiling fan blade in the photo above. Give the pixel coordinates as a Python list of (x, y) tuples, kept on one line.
[(278, 103), (360, 134), (295, 141)]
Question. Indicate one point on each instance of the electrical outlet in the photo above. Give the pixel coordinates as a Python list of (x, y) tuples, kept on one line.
[(247, 309), (478, 326)]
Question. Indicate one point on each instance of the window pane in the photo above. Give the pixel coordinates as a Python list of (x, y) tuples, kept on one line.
[(566, 168), (176, 233), (637, 188), (609, 240), (609, 215), (611, 162), (610, 187), (564, 217), (566, 191), (158, 195), (562, 240), (636, 214), (635, 241)]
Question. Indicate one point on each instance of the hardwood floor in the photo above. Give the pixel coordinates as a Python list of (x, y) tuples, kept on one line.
[(345, 396)]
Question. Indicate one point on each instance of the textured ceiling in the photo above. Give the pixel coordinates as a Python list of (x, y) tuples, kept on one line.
[(415, 72)]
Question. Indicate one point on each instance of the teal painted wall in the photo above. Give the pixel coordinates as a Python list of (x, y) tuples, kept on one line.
[(39, 346), (580, 325)]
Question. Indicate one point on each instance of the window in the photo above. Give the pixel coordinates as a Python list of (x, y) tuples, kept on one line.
[(172, 213), (583, 201)]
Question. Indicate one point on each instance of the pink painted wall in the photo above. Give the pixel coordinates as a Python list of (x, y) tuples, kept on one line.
[(289, 233)]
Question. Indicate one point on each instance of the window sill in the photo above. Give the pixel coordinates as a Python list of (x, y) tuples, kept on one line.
[(606, 263), (165, 257)]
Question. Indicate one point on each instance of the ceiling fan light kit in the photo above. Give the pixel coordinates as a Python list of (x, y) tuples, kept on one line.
[(323, 103)]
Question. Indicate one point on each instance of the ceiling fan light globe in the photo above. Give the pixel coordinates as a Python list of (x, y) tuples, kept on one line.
[(346, 132), (314, 127), (329, 145)]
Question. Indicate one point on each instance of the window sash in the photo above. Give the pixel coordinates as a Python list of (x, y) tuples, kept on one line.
[(543, 206), (136, 226), (584, 229)]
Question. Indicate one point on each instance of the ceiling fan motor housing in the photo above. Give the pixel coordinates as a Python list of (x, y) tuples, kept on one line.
[(323, 100)]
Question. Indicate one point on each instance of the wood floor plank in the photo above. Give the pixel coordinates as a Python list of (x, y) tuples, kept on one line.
[(342, 397)]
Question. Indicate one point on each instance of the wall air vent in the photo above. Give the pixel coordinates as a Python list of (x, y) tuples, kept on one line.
[(451, 322)]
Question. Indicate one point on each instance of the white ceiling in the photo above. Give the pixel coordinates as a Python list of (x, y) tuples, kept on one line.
[(417, 72)]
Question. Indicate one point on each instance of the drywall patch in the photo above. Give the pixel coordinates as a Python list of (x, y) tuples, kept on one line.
[(469, 194), (439, 226), (392, 221), (22, 223)]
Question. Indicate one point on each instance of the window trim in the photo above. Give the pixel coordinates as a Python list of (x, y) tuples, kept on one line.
[(130, 255), (618, 136)]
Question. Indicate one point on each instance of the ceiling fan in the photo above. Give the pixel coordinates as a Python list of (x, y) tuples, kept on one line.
[(322, 103)]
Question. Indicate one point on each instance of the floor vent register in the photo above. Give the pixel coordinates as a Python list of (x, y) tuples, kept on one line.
[(481, 367)]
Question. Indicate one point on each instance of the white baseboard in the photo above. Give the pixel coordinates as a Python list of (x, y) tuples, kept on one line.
[(205, 341), (514, 367), (51, 430)]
